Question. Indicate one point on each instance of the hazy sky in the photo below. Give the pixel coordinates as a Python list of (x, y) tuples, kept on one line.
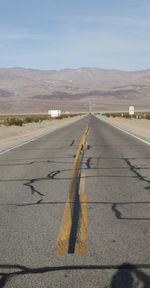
[(57, 34)]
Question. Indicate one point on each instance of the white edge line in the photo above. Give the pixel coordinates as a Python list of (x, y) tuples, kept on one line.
[(142, 140), (21, 144)]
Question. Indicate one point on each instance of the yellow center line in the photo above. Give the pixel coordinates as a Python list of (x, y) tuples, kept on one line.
[(81, 246), (67, 222), (63, 238), (82, 183)]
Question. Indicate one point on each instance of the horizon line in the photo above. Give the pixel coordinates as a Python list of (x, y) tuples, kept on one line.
[(78, 68)]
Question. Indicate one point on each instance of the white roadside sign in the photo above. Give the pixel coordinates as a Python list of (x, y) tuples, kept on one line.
[(54, 113), (131, 110)]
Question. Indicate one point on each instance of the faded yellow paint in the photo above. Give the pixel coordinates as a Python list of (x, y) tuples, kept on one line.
[(81, 246), (82, 183), (84, 146), (63, 238), (64, 234)]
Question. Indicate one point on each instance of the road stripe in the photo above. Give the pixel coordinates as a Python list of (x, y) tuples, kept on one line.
[(63, 238), (82, 183), (81, 246), (142, 140), (75, 202), (26, 142)]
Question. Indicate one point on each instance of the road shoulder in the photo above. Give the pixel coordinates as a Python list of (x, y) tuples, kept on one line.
[(138, 128)]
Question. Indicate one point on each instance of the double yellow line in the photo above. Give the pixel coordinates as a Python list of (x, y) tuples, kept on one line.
[(73, 231)]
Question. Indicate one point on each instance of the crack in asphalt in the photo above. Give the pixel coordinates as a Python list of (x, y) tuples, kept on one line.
[(117, 212), (33, 190), (23, 270), (73, 141), (64, 202), (88, 163), (34, 162), (52, 174), (67, 178), (88, 147), (30, 183), (16, 164), (119, 216), (114, 208), (134, 170)]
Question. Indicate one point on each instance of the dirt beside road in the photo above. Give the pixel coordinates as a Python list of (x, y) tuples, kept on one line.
[(138, 127), (14, 135)]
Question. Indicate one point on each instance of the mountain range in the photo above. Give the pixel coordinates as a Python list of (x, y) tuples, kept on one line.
[(35, 91)]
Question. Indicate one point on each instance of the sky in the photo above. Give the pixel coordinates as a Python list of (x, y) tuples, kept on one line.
[(60, 34)]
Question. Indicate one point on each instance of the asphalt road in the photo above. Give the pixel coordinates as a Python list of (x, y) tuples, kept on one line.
[(34, 184)]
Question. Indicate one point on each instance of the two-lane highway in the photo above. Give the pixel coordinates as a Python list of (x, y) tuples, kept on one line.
[(109, 215)]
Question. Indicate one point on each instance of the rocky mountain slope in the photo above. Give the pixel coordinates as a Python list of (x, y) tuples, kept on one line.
[(28, 90)]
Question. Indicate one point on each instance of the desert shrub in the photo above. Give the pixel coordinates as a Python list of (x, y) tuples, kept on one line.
[(147, 116), (19, 120), (35, 118), (62, 116), (112, 115), (40, 118), (28, 119), (126, 115), (141, 115), (108, 115), (13, 121)]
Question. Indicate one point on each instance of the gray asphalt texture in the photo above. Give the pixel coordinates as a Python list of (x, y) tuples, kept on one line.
[(34, 184)]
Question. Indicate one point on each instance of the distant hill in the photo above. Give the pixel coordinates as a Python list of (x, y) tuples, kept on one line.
[(28, 90), (4, 93)]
